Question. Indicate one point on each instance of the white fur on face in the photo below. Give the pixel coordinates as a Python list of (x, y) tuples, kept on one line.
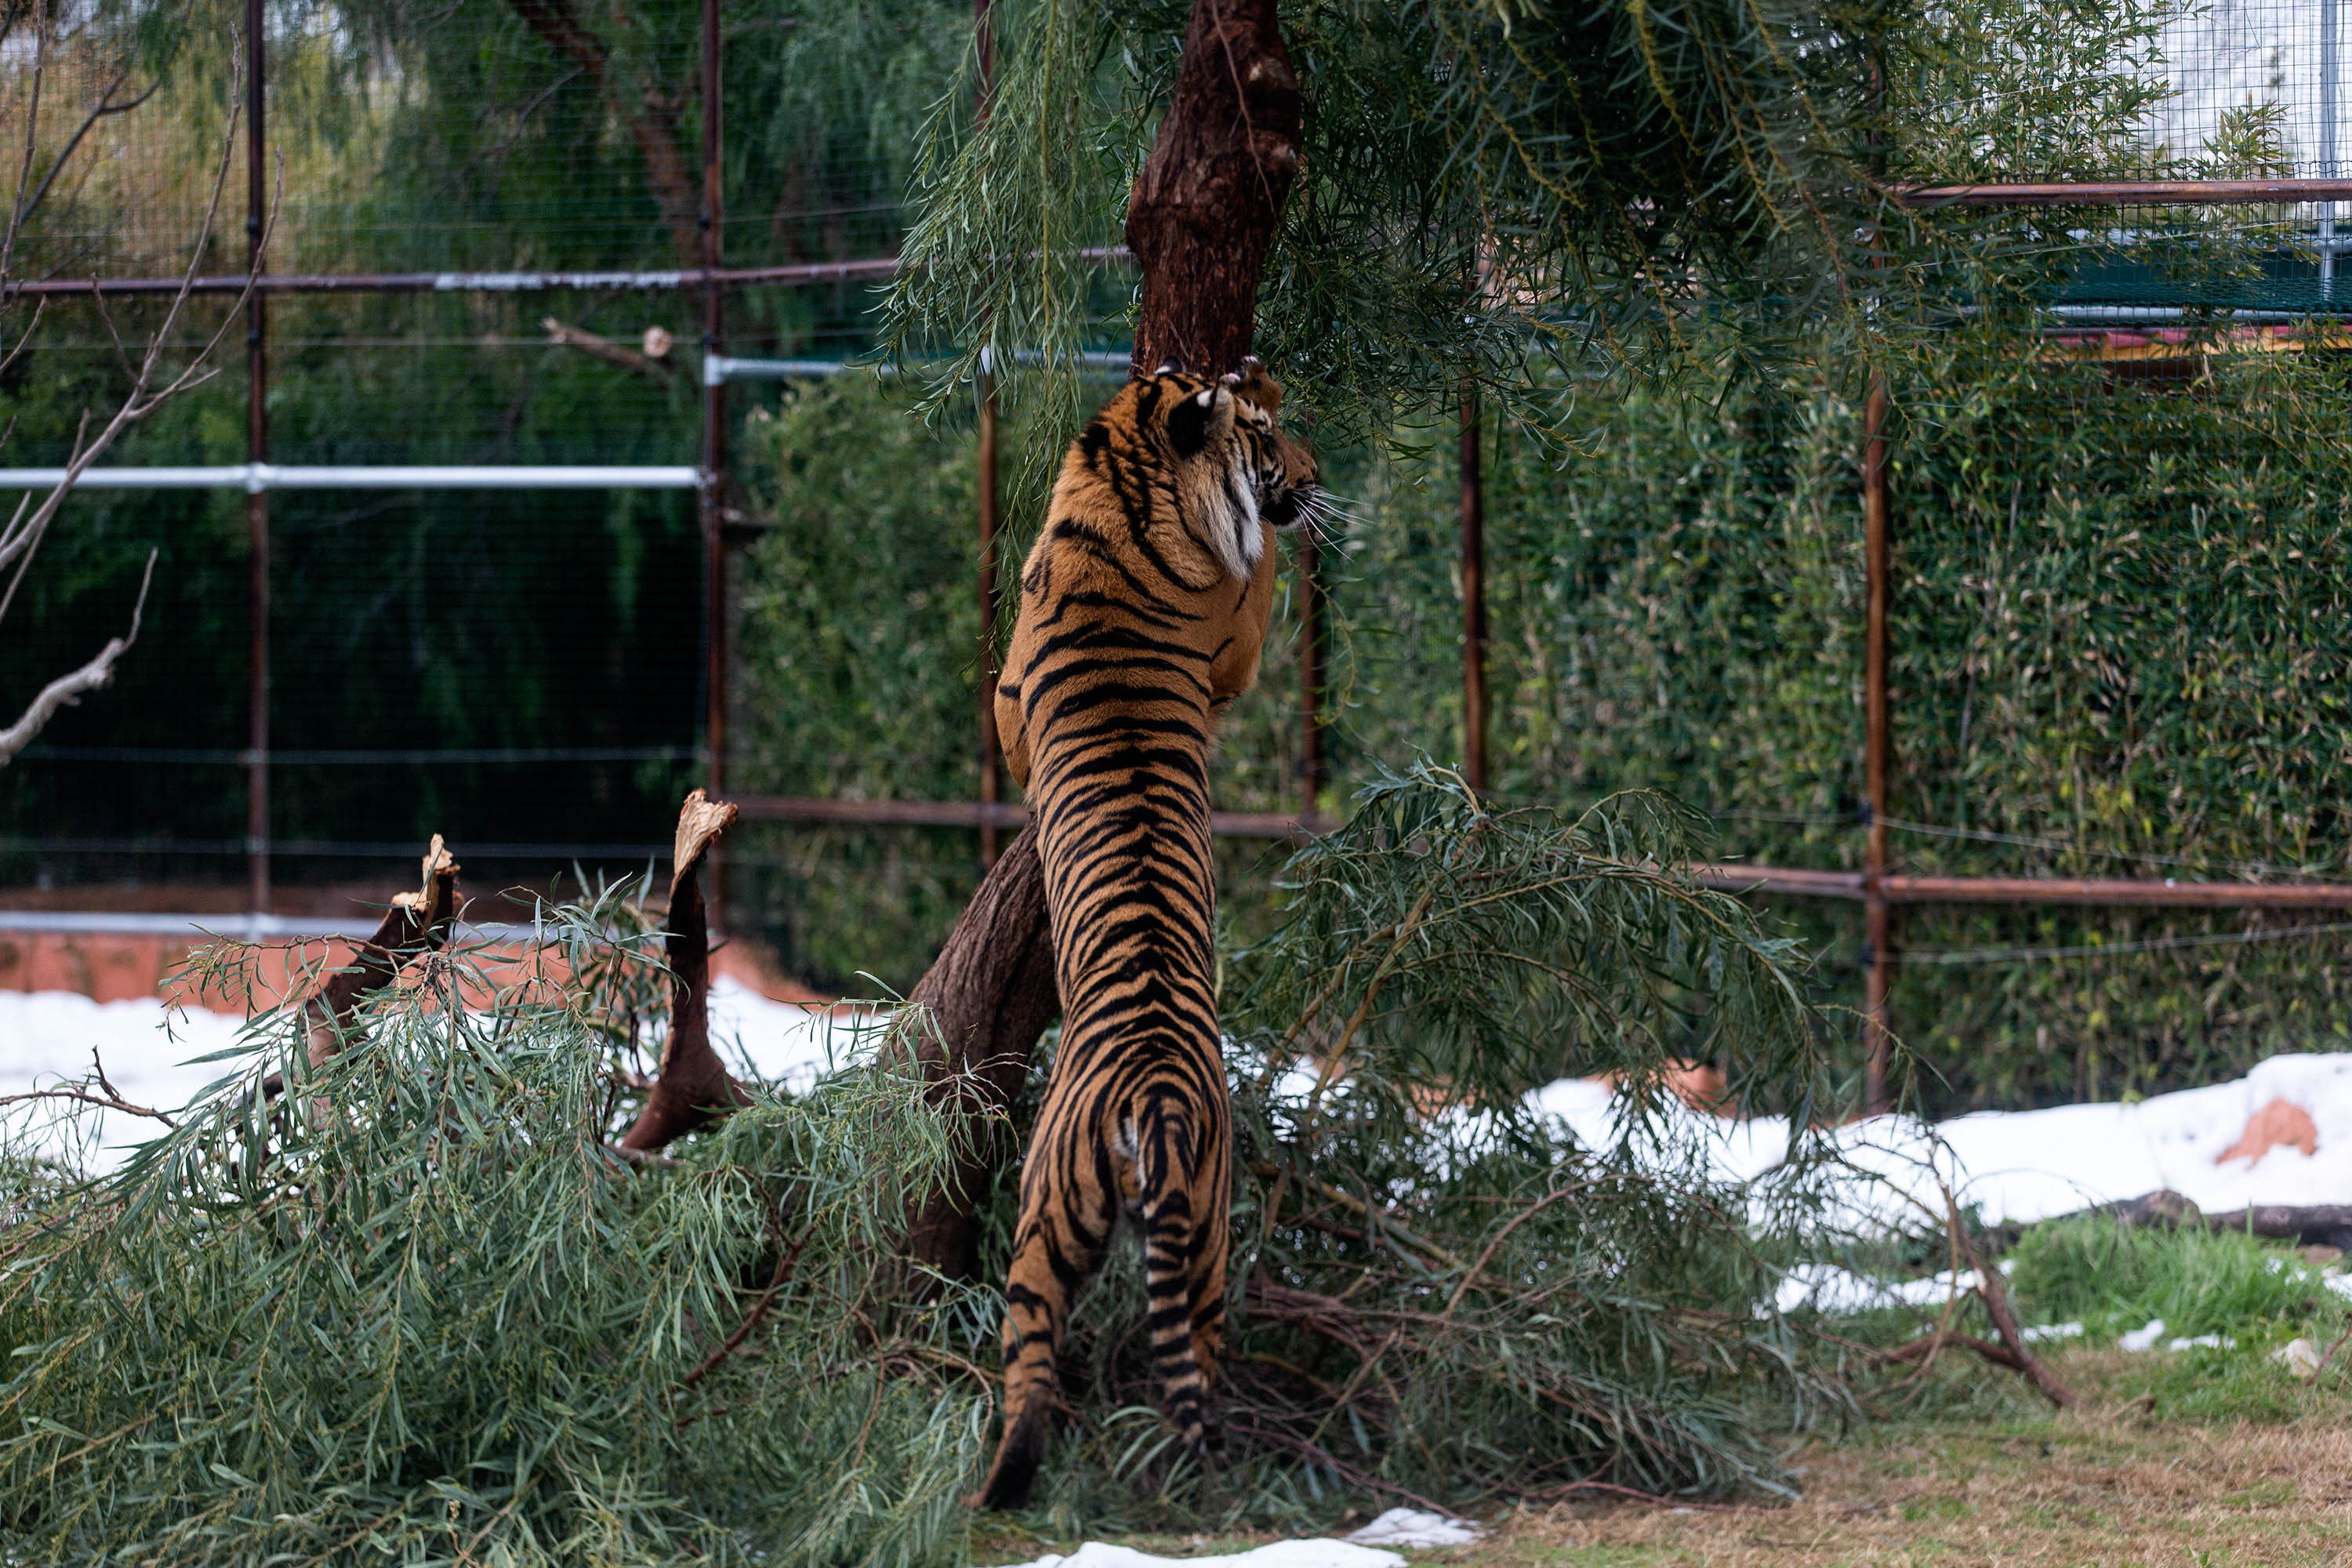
[(1228, 524)]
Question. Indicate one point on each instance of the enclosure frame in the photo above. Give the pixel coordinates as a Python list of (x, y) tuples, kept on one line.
[(1879, 886)]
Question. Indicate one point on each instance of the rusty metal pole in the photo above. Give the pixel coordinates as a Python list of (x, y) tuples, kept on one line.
[(256, 500), (1474, 597), (714, 458), (1878, 946), (984, 44), (1311, 764), (988, 740)]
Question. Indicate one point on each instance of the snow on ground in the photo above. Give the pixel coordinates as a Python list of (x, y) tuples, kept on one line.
[(46, 1037), (784, 1043), (1317, 1553), (1406, 1527), (2015, 1166), (2019, 1166), (1400, 1527)]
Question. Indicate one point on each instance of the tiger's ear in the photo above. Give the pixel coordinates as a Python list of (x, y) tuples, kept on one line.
[(1170, 367), (1196, 418), (1258, 387)]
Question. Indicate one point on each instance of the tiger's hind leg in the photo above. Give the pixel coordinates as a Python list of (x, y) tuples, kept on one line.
[(1065, 1224), (1184, 1244)]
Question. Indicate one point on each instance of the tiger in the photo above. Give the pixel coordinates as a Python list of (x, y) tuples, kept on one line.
[(1143, 610)]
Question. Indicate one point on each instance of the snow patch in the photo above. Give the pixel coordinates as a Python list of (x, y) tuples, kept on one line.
[(150, 1051), (1310, 1553), (1404, 1527)]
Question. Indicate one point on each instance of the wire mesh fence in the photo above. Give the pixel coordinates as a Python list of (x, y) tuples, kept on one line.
[(2116, 474)]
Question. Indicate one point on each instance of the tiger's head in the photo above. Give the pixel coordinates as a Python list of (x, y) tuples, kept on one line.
[(1234, 466), (1290, 481)]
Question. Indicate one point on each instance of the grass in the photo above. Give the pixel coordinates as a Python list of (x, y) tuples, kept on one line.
[(2110, 1482), (2190, 1457), (2112, 1279)]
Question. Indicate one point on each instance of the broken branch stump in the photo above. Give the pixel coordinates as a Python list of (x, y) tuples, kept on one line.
[(694, 1087)]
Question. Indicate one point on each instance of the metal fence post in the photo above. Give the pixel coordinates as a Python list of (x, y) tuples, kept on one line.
[(1878, 948), (2329, 88), (714, 449), (986, 484), (991, 744), (1474, 596), (1311, 765), (256, 499)]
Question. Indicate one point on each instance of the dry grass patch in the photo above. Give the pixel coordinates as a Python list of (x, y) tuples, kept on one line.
[(2104, 1484)]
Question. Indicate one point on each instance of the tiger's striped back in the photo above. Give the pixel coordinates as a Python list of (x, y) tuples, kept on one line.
[(1143, 610)]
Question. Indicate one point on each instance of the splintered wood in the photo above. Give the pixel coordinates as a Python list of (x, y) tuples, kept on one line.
[(695, 1088)]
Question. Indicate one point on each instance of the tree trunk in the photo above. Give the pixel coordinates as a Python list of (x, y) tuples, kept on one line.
[(1204, 213), (1201, 220), (981, 1007)]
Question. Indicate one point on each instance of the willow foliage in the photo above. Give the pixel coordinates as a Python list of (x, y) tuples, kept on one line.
[(1611, 170), (439, 1321), (415, 1307)]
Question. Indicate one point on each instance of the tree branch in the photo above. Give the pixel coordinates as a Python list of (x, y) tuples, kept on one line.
[(109, 1098), (66, 689), (694, 1087), (104, 106), (1994, 1292), (605, 349), (1204, 211), (653, 126), (415, 923)]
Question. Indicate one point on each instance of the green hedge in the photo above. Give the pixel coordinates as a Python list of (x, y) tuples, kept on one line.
[(2117, 642)]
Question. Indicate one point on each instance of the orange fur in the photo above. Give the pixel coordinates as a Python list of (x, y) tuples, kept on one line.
[(1143, 611)]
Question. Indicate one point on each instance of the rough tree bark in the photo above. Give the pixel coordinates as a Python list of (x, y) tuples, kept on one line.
[(695, 1087), (2314, 1224), (1204, 213), (1201, 220), (416, 922), (980, 1010)]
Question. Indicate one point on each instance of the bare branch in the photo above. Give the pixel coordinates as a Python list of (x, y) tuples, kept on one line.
[(66, 689), (32, 132), (605, 349), (24, 533), (144, 397), (105, 1101), (110, 1098), (104, 106)]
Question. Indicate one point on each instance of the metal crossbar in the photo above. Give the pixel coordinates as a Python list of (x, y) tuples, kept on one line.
[(256, 478)]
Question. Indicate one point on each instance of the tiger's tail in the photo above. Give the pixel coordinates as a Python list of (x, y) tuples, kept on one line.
[(1058, 1249)]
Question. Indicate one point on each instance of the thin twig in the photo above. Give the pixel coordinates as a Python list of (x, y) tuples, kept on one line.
[(104, 106), (751, 1319), (67, 689), (109, 1100), (1519, 1219), (1995, 1295), (2330, 1354)]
